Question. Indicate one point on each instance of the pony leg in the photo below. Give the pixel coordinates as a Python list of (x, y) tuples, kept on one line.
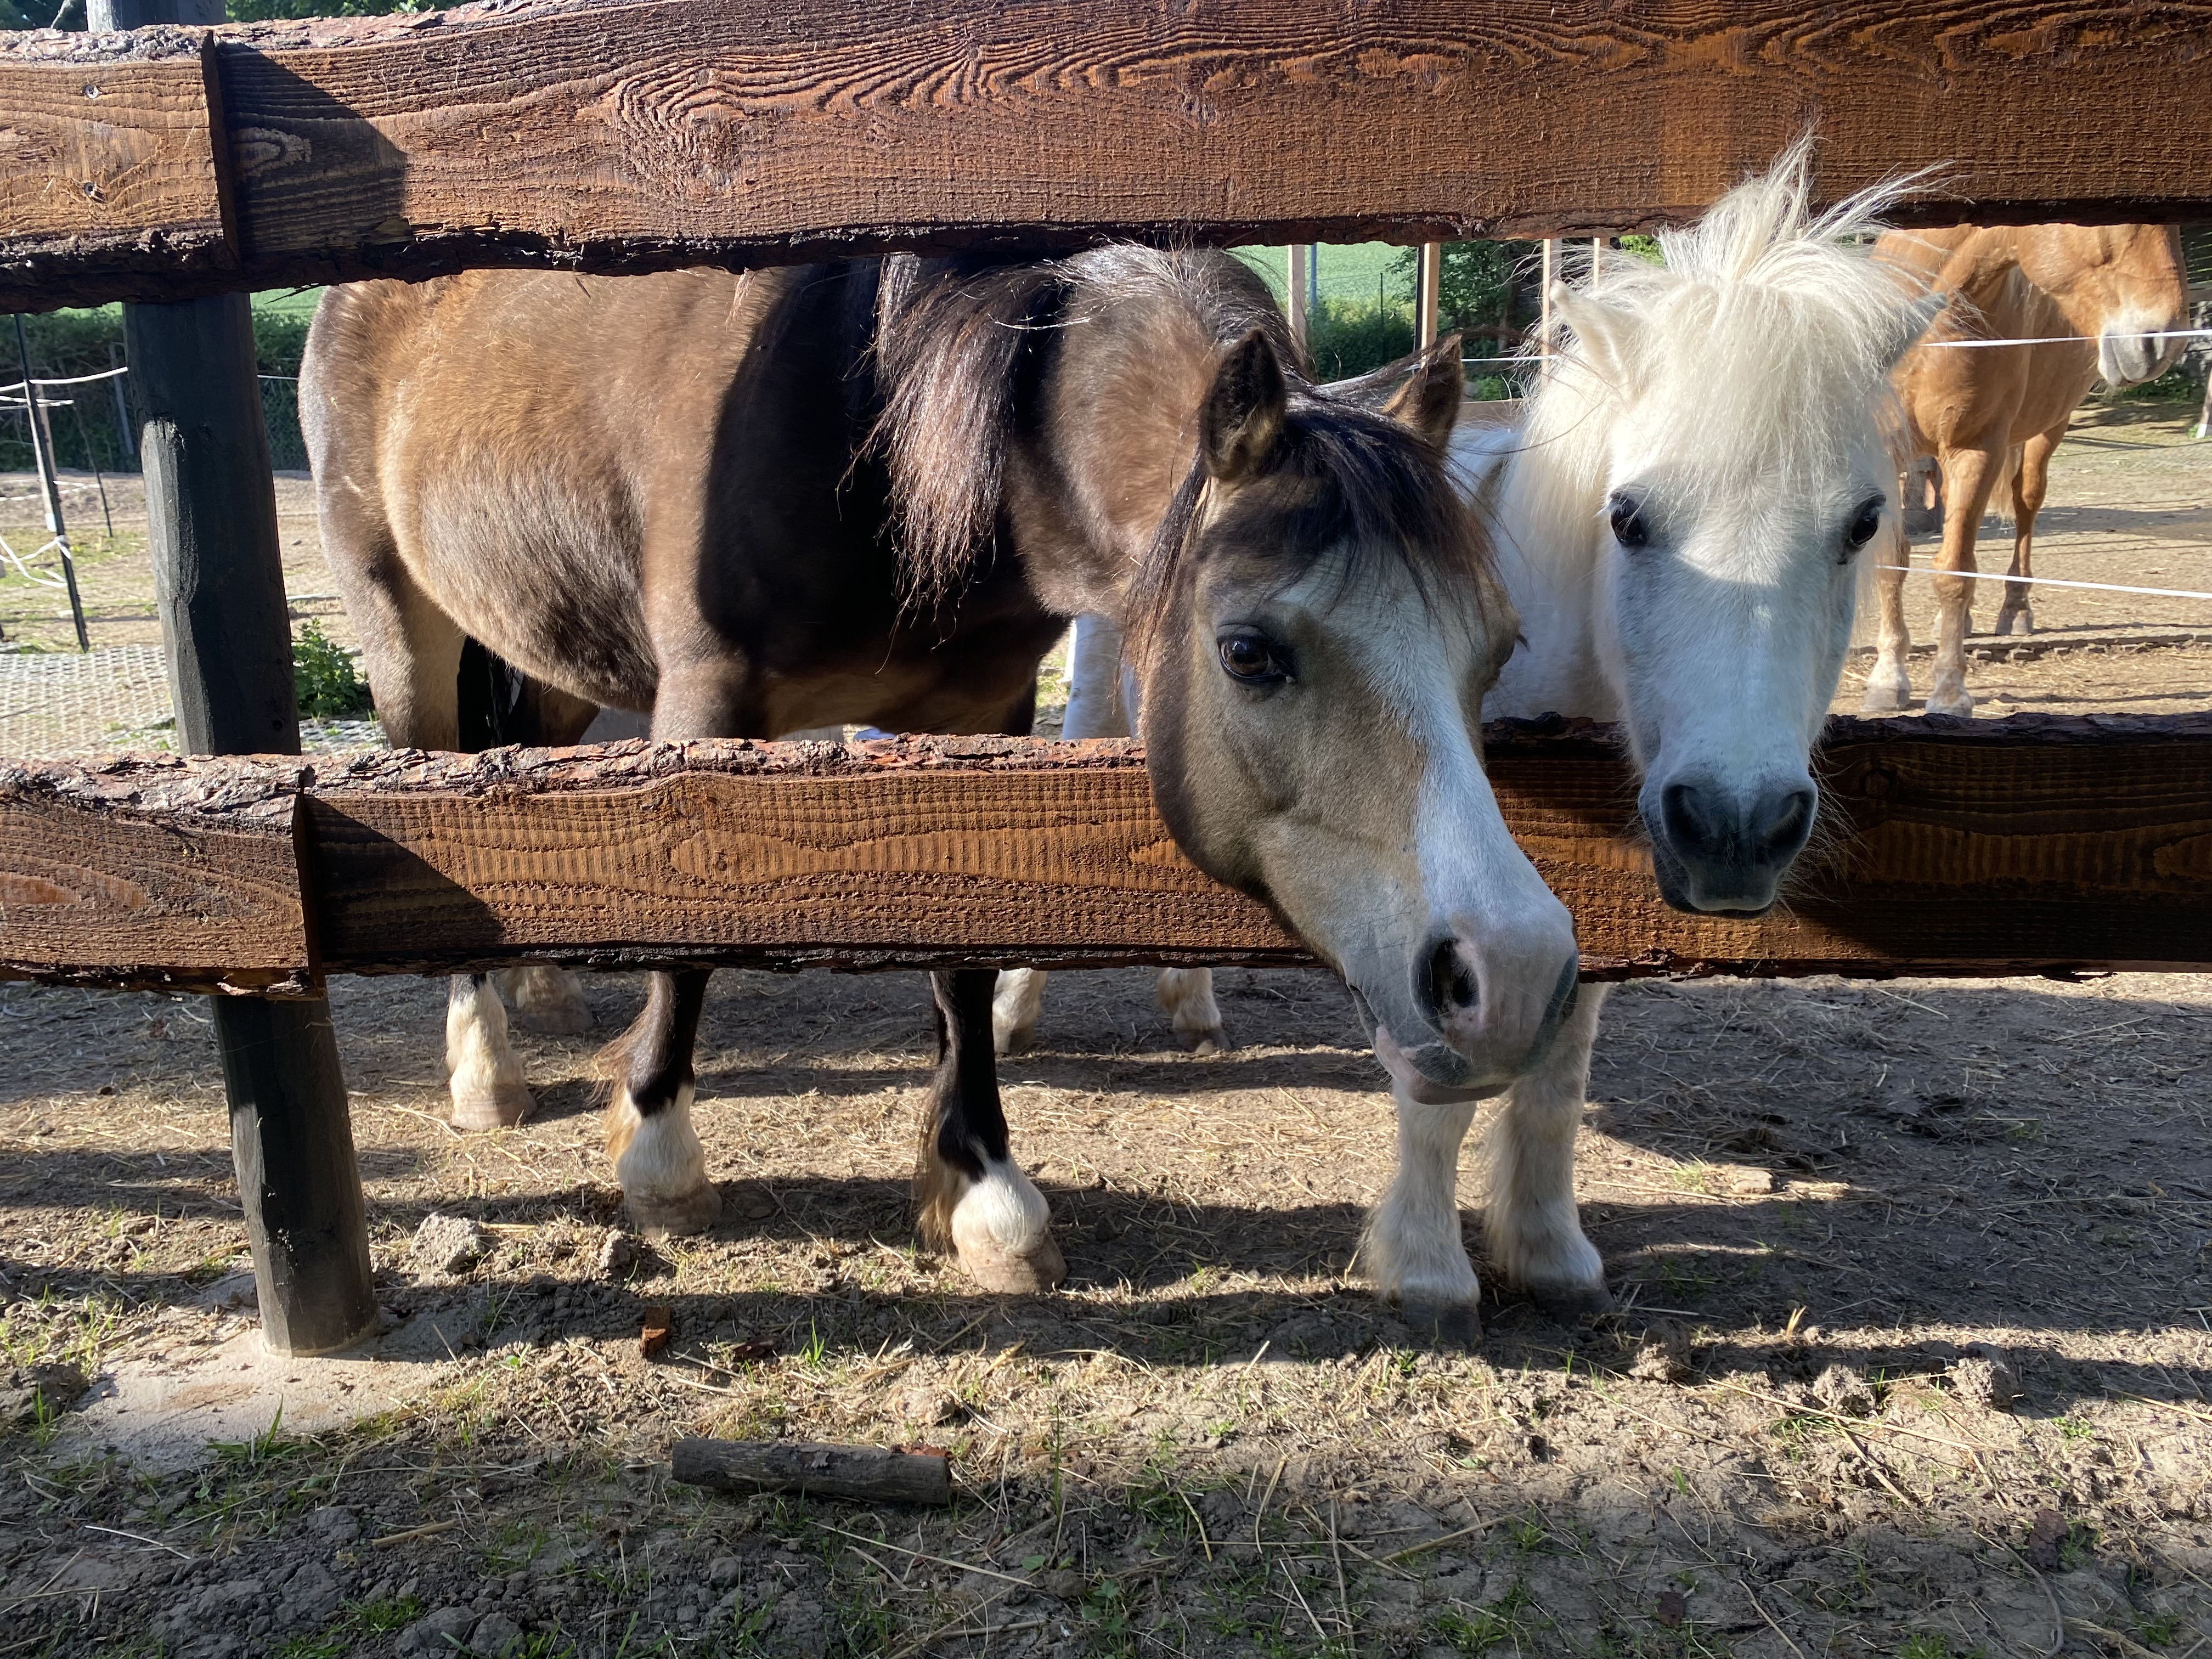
[(657, 1155), (546, 999), (1969, 475), (1015, 1009), (1889, 682), (1411, 1250), (2030, 482), (970, 1195), (1186, 995), (1535, 1232), (484, 1074)]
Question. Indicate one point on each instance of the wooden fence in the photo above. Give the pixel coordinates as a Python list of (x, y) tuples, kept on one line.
[(171, 163), (2036, 844), (634, 137)]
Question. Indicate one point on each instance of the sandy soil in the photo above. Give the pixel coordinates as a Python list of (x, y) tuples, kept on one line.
[(1912, 1356)]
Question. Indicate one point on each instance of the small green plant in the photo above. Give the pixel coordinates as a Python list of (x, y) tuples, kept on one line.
[(330, 687), (2073, 1428), (2159, 1629), (1925, 1644)]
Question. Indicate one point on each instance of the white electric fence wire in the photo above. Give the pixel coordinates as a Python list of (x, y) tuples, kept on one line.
[(2043, 581)]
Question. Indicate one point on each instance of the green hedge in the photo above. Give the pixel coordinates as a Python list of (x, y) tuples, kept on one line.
[(64, 343)]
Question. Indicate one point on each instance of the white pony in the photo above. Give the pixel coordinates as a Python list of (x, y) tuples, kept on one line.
[(1699, 481)]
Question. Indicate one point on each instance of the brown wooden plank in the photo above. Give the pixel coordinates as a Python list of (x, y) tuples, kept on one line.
[(152, 875), (931, 852), (108, 162), (1974, 848), (680, 131)]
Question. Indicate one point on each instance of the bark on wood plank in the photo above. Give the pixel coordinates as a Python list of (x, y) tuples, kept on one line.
[(943, 851), (109, 162), (683, 131), (1956, 846), (152, 875), (864, 1474)]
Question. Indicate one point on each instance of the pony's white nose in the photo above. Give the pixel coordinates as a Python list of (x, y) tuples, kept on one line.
[(1496, 997)]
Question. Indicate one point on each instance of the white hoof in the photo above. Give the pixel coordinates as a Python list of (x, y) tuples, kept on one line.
[(1187, 996), (1950, 700), (1016, 1006), (546, 1000), (1555, 1263), (1885, 697), (482, 1070), (2021, 621), (661, 1165), (1002, 1233)]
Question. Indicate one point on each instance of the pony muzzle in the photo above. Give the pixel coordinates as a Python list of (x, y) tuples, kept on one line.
[(1468, 1021), (1722, 851), (2136, 348)]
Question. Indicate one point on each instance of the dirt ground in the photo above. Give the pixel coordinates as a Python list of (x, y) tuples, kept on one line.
[(1912, 1355)]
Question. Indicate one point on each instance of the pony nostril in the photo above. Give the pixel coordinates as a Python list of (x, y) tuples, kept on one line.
[(1681, 813), (1787, 823), (1451, 985)]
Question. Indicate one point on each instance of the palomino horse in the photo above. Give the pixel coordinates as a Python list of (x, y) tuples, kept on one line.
[(1984, 411), (1684, 515), (869, 491)]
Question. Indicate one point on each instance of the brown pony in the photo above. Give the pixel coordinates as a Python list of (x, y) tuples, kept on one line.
[(1983, 411), (871, 491)]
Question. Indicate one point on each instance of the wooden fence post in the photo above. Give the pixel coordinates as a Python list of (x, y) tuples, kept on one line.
[(1428, 269), (1296, 305), (212, 521)]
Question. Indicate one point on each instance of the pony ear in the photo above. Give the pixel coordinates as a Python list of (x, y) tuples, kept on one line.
[(1604, 331), (1428, 398), (1910, 323), (1242, 420)]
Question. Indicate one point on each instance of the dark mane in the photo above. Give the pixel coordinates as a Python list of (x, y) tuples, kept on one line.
[(957, 342), (1348, 481)]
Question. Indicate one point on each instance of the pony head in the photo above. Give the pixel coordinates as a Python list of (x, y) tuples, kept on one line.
[(1711, 451)]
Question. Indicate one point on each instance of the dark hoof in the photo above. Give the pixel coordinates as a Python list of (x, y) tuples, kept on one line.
[(1570, 1304), (1214, 1042), (1442, 1324), (675, 1216)]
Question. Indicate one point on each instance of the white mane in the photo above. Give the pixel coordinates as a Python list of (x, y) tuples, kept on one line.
[(1763, 339)]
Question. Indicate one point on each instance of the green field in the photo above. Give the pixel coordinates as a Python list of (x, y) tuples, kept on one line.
[(1350, 272)]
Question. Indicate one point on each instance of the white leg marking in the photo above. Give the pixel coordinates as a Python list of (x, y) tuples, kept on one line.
[(549, 1000), (660, 1164), (1015, 1007), (1535, 1235), (1002, 1232), (1888, 687), (1949, 695), (1411, 1249), (485, 1075), (1186, 995)]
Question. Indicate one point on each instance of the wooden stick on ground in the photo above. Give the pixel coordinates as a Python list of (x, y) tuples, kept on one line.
[(866, 1472)]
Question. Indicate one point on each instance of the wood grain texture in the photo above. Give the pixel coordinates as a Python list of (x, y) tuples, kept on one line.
[(109, 161), (685, 131), (1971, 847), (152, 875), (926, 852)]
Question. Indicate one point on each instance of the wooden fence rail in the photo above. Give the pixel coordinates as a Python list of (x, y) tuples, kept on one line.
[(1954, 847), (170, 162)]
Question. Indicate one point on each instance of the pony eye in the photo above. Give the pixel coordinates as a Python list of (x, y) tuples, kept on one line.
[(1627, 515), (1864, 523), (1252, 658)]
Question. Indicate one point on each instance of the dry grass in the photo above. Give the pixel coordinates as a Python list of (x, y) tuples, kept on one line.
[(1211, 1442)]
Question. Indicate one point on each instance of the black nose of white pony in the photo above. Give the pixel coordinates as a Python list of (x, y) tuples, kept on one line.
[(1724, 837)]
